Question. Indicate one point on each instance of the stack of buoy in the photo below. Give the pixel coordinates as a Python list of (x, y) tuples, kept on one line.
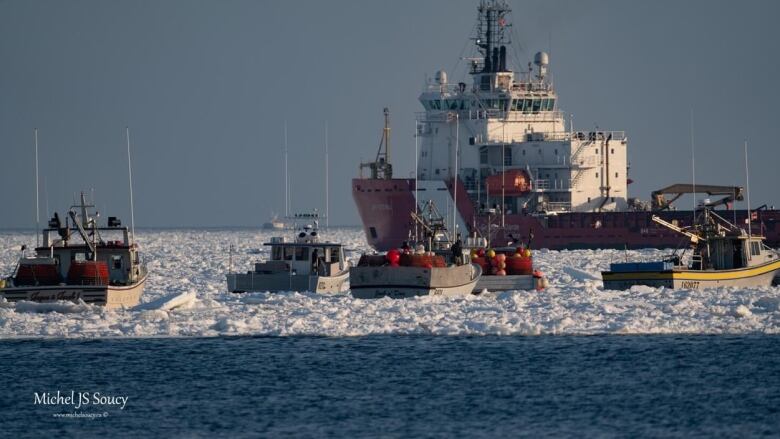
[(37, 274), (502, 264), (401, 258), (88, 273)]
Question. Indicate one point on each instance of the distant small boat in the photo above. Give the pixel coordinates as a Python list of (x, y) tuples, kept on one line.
[(102, 270), (723, 255), (304, 264), (274, 224)]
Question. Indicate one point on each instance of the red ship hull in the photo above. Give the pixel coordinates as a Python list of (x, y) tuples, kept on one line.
[(385, 207)]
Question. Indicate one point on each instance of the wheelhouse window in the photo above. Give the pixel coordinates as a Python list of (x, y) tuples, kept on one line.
[(116, 262), (507, 155), (755, 248), (301, 253), (288, 253), (537, 105)]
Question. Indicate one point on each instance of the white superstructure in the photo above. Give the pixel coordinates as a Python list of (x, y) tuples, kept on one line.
[(508, 121)]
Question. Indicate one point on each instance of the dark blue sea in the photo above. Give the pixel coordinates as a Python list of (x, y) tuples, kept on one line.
[(393, 386)]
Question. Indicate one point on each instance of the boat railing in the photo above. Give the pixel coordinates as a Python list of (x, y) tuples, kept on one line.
[(697, 262)]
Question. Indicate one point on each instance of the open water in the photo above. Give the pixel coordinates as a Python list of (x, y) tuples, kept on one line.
[(395, 386)]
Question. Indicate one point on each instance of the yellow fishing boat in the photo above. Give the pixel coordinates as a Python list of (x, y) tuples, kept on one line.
[(722, 255)]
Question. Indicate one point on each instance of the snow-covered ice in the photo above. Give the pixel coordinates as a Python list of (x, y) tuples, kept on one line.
[(185, 296)]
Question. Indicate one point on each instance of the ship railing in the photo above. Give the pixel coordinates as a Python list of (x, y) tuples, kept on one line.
[(481, 114), (598, 135), (541, 184), (557, 206), (558, 184)]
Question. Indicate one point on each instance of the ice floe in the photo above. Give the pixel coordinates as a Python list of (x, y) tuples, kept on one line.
[(185, 296)]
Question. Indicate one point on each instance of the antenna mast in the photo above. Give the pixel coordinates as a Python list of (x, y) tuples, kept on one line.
[(37, 210), (130, 175)]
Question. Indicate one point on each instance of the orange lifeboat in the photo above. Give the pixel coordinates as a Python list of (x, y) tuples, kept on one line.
[(515, 181)]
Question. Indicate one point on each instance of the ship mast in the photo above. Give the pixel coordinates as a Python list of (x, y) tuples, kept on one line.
[(491, 37), (381, 168)]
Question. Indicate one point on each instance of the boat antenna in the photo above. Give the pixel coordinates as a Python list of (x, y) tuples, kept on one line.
[(37, 210), (747, 188), (286, 179), (130, 178), (693, 168), (327, 199)]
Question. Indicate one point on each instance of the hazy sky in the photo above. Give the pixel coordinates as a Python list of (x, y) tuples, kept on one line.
[(206, 87)]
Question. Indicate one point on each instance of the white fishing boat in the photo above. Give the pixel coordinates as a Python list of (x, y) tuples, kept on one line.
[(303, 264), (103, 269), (428, 267)]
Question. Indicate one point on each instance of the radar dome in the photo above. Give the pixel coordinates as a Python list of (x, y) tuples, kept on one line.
[(441, 77), (541, 59)]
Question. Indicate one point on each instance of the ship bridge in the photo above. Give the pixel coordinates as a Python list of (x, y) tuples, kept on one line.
[(509, 121)]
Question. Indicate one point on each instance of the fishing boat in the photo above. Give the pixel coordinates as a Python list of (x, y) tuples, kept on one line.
[(434, 265), (104, 268), (721, 255), (399, 274), (303, 264)]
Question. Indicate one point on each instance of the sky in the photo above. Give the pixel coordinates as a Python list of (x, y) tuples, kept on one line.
[(206, 88)]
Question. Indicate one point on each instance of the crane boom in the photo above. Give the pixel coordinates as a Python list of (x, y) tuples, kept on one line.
[(695, 238)]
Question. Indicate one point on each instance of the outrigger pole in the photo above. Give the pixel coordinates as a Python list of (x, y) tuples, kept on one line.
[(130, 175)]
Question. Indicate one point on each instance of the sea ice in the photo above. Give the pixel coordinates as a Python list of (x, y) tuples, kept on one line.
[(186, 296)]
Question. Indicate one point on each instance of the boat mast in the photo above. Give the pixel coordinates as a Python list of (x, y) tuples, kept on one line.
[(416, 173), (747, 188), (286, 179), (327, 200), (37, 210), (455, 180), (130, 178), (693, 168)]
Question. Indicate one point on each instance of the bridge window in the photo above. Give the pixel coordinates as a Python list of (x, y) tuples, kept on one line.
[(507, 155), (544, 104), (537, 105), (755, 248), (550, 104)]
